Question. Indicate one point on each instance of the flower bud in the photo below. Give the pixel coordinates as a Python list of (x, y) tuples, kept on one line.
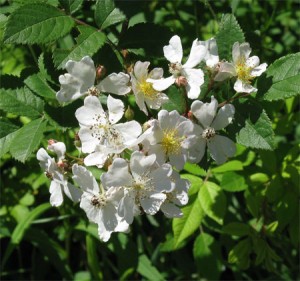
[(129, 114), (181, 81), (100, 72)]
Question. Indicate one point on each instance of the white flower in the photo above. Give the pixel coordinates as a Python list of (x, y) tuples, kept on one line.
[(144, 92), (193, 77), (177, 197), (244, 67), (143, 183), (80, 80), (210, 122), (99, 128), (100, 206), (172, 139), (211, 58), (59, 183)]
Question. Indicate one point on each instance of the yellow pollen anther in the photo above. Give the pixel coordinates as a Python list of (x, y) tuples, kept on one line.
[(243, 71), (171, 142), (148, 90)]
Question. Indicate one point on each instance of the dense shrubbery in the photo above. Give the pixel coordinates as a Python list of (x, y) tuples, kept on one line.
[(241, 221)]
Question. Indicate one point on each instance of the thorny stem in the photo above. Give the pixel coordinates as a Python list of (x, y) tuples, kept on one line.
[(237, 96)]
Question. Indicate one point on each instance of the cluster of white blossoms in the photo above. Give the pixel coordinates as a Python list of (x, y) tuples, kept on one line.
[(141, 163)]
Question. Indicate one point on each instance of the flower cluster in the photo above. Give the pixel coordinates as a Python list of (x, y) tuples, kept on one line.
[(141, 163)]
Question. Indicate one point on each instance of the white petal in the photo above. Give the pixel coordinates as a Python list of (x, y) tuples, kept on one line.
[(59, 148), (169, 120), (140, 70), (72, 192), (56, 197), (159, 153), (80, 78), (109, 217), (92, 212), (205, 112), (130, 132), (245, 50), (195, 78), (139, 163), (97, 158), (117, 175), (104, 234), (156, 73), (226, 70), (197, 151), (140, 101), (115, 84), (224, 117), (152, 204), (221, 148), (211, 58), (127, 206), (43, 157), (252, 62), (157, 102), (257, 71), (178, 160), (88, 142), (197, 54), (85, 114), (161, 178), (115, 109), (162, 84), (173, 52), (241, 87), (85, 179), (170, 210)]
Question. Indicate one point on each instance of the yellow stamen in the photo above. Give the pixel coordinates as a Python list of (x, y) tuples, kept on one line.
[(171, 142), (243, 71), (148, 90)]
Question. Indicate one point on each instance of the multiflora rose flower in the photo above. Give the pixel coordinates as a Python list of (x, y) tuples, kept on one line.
[(209, 121), (145, 94), (143, 182), (55, 170), (100, 204), (99, 131), (244, 67), (185, 74), (80, 81)]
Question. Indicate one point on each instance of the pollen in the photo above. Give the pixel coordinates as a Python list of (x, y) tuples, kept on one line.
[(208, 133), (243, 71), (171, 142), (148, 90)]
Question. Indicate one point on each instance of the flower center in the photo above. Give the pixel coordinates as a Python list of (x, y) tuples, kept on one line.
[(175, 68), (243, 71), (98, 201), (148, 90), (171, 142), (208, 133), (93, 91)]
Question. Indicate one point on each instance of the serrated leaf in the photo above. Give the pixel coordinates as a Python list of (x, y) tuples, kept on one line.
[(233, 182), (233, 165), (187, 225), (207, 255), (106, 14), (285, 75), (38, 84), (27, 139), (236, 229), (5, 143), (6, 127), (134, 38), (37, 23), (71, 6), (194, 169), (195, 182), (240, 253), (229, 33), (21, 102), (259, 134), (213, 201), (89, 41), (146, 269)]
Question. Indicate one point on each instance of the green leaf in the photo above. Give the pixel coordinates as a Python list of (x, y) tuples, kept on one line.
[(27, 139), (21, 102), (92, 257), (213, 201), (37, 23), (38, 84), (285, 75), (106, 14), (236, 229), (240, 253), (195, 182), (194, 169), (229, 33), (233, 182), (6, 127), (71, 6), (176, 100), (89, 41), (233, 165), (187, 225), (5, 142), (258, 134), (147, 270), (207, 254)]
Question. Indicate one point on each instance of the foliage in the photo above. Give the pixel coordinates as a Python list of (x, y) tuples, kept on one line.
[(242, 219)]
